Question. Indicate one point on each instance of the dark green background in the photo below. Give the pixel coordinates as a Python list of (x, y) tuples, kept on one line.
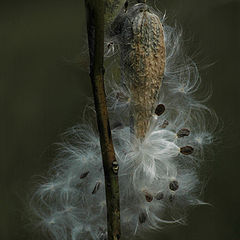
[(43, 91)]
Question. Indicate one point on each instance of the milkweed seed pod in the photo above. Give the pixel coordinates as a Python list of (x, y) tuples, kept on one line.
[(142, 50), (158, 157)]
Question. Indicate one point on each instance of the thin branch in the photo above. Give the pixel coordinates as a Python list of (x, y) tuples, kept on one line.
[(95, 28)]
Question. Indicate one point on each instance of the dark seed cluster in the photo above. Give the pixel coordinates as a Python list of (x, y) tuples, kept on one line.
[(186, 150)]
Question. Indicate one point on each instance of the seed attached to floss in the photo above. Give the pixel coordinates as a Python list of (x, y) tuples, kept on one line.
[(159, 196), (142, 217), (186, 150), (96, 188), (174, 185), (164, 124), (159, 109), (184, 132), (148, 196), (83, 175)]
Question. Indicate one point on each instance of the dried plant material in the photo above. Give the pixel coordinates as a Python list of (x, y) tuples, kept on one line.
[(184, 132), (159, 109), (142, 217), (164, 124), (143, 61), (186, 150), (83, 175), (148, 196), (152, 161), (96, 188), (174, 185), (159, 196)]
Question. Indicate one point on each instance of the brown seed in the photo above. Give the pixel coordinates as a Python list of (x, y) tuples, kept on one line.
[(159, 196), (164, 124), (174, 185), (142, 217), (96, 188), (148, 196), (84, 175), (186, 150), (184, 132), (160, 109)]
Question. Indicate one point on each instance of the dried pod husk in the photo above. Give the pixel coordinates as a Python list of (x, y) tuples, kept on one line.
[(83, 175), (142, 217), (159, 196), (96, 188), (143, 62), (174, 185), (186, 150), (184, 132)]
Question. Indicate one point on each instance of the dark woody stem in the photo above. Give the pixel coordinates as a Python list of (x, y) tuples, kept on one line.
[(95, 29)]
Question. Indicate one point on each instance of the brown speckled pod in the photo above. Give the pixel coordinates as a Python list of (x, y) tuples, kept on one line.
[(143, 63)]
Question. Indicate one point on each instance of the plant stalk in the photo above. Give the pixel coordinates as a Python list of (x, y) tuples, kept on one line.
[(95, 29)]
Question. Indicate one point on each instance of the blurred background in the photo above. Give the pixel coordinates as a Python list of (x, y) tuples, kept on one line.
[(43, 91)]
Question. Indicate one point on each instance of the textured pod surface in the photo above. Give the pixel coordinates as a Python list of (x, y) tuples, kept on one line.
[(143, 61)]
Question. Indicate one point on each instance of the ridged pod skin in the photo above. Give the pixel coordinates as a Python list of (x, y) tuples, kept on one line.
[(143, 63)]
